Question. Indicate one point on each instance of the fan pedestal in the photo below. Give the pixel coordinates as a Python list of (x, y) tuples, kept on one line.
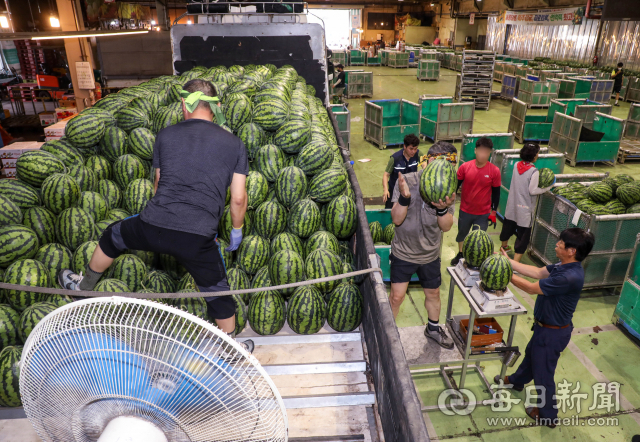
[(131, 429)]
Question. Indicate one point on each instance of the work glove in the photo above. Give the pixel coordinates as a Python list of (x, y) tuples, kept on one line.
[(492, 219), (235, 240)]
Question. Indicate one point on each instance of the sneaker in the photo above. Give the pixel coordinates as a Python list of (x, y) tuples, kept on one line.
[(456, 259), (69, 280), (248, 345), (439, 336), (616, 104)]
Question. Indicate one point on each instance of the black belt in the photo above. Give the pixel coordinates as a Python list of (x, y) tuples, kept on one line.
[(554, 327)]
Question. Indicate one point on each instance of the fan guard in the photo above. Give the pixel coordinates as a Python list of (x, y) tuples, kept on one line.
[(95, 360)]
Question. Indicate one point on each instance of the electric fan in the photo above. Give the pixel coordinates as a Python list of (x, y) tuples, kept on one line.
[(120, 369)]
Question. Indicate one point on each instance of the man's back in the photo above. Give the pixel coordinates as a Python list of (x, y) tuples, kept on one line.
[(197, 160)]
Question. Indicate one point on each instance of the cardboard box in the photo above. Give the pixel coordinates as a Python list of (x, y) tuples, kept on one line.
[(48, 118), (14, 150), (56, 130), (10, 173), (8, 163), (70, 103), (65, 112)]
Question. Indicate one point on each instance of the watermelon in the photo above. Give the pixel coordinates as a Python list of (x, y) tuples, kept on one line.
[(611, 182), (82, 256), (322, 240), (546, 177), (624, 179), (64, 151), (266, 312), (101, 226), (27, 272), (270, 115), (148, 103), (33, 314), (327, 185), (269, 219), (322, 263), (126, 169), (17, 242), (270, 94), (376, 231), (22, 194), (85, 178), (634, 209), (292, 136), (438, 181), (187, 282), (34, 166), (314, 158), (257, 189), (253, 253), (100, 166), (140, 143), (291, 186), (389, 233), (55, 257), (261, 279), (241, 314), (112, 285), (129, 269), (600, 192), (130, 118), (253, 137), (344, 308), (496, 272), (597, 209), (118, 214), (304, 218), (94, 205), (138, 193), (159, 282), (73, 227), (238, 280), (60, 192), (227, 257), (286, 241), (341, 217), (113, 143), (9, 326), (477, 247), (225, 225), (237, 110), (270, 161), (306, 313), (10, 213), (615, 207), (194, 306), (628, 193), (84, 131), (111, 193), (10, 376), (286, 267), (348, 268), (59, 300)]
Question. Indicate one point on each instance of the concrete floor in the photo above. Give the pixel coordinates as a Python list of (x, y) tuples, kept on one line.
[(603, 355)]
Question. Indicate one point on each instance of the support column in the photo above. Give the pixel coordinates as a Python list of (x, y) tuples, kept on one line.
[(77, 49), (161, 9)]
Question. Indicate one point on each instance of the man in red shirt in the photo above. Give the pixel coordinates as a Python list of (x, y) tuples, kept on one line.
[(480, 181)]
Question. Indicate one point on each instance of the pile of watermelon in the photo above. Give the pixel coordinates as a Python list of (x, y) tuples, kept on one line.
[(301, 216), (382, 237), (611, 196)]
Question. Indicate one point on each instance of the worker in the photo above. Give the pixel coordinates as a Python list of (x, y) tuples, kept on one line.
[(416, 245), (382, 44), (558, 289), (436, 42), (480, 182), (340, 83), (617, 82), (403, 161), (523, 195), (182, 217)]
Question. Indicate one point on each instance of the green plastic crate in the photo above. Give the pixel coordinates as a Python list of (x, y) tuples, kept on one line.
[(500, 141), (387, 122), (428, 70)]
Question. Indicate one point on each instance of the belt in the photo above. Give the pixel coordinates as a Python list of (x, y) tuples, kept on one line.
[(554, 327)]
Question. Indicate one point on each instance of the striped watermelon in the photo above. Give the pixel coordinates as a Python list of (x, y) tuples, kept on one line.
[(257, 189), (111, 285), (159, 282), (110, 103), (10, 376), (241, 314), (237, 110), (60, 192), (612, 182), (306, 313), (545, 177), (34, 166), (17, 242), (27, 272), (129, 269), (85, 178), (314, 158), (291, 186), (270, 161), (344, 308), (140, 143), (269, 219), (148, 258), (628, 193), (107, 117), (286, 267), (341, 217), (55, 257), (227, 257), (33, 314), (253, 137), (84, 131), (225, 225), (42, 222), (111, 193), (376, 231), (10, 213), (322, 240), (286, 241), (389, 232), (148, 103), (22, 194), (253, 253), (94, 204), (438, 181), (238, 280), (138, 193), (496, 272), (322, 263), (270, 115), (100, 166), (82, 256), (186, 282), (73, 227), (113, 143), (477, 247), (194, 306), (9, 323), (130, 118), (304, 218), (634, 209), (267, 312), (271, 94), (600, 192), (64, 151), (126, 169), (327, 185), (615, 207), (118, 214), (261, 278), (171, 266), (292, 136)]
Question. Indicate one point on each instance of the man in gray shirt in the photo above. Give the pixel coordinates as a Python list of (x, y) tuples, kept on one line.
[(416, 245)]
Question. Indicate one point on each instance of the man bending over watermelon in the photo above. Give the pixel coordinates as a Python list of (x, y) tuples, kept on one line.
[(195, 161)]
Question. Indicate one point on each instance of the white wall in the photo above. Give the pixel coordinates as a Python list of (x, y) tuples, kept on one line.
[(418, 34), (337, 27)]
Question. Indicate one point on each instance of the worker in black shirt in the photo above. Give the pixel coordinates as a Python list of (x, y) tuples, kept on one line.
[(182, 217), (404, 161), (558, 291), (617, 82), (340, 82)]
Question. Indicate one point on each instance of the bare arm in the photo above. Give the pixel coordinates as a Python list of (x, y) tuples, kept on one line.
[(533, 185), (238, 200), (532, 288), (385, 187), (399, 212), (155, 184), (527, 270), (445, 222)]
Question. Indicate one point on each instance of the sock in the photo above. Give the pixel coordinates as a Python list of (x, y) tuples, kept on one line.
[(433, 325), (90, 279), (616, 101)]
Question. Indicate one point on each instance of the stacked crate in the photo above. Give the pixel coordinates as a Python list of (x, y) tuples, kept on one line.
[(31, 55), (476, 78)]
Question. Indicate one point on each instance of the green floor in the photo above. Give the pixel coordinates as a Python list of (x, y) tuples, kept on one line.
[(606, 356)]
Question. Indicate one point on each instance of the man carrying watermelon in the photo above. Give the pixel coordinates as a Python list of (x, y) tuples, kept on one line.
[(404, 161), (480, 181), (416, 245), (558, 291), (196, 161)]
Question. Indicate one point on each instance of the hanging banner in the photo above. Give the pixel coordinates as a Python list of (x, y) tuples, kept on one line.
[(472, 18), (545, 17)]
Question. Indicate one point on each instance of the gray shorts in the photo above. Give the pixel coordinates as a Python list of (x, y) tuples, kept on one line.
[(466, 220)]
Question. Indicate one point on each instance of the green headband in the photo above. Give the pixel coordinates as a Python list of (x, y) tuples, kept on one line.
[(192, 99)]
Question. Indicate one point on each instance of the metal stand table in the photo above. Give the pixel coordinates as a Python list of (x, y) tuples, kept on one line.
[(446, 369)]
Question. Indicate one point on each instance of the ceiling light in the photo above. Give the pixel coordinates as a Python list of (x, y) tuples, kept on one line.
[(153, 22), (55, 22), (83, 35), (157, 28), (433, 4), (4, 21), (189, 21)]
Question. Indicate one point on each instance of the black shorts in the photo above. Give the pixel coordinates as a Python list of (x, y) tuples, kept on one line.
[(523, 234), (428, 274), (617, 89), (199, 254), (467, 220)]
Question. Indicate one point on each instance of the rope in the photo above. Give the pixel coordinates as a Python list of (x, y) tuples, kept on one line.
[(75, 293)]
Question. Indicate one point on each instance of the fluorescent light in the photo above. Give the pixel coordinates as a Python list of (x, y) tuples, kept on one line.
[(4, 21), (153, 22), (85, 35), (55, 23)]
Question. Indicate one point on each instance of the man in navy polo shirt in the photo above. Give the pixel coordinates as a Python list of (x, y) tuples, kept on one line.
[(404, 161), (558, 291)]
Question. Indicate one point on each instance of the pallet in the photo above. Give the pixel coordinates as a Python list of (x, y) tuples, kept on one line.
[(359, 96), (378, 145), (399, 67), (629, 150), (429, 79)]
